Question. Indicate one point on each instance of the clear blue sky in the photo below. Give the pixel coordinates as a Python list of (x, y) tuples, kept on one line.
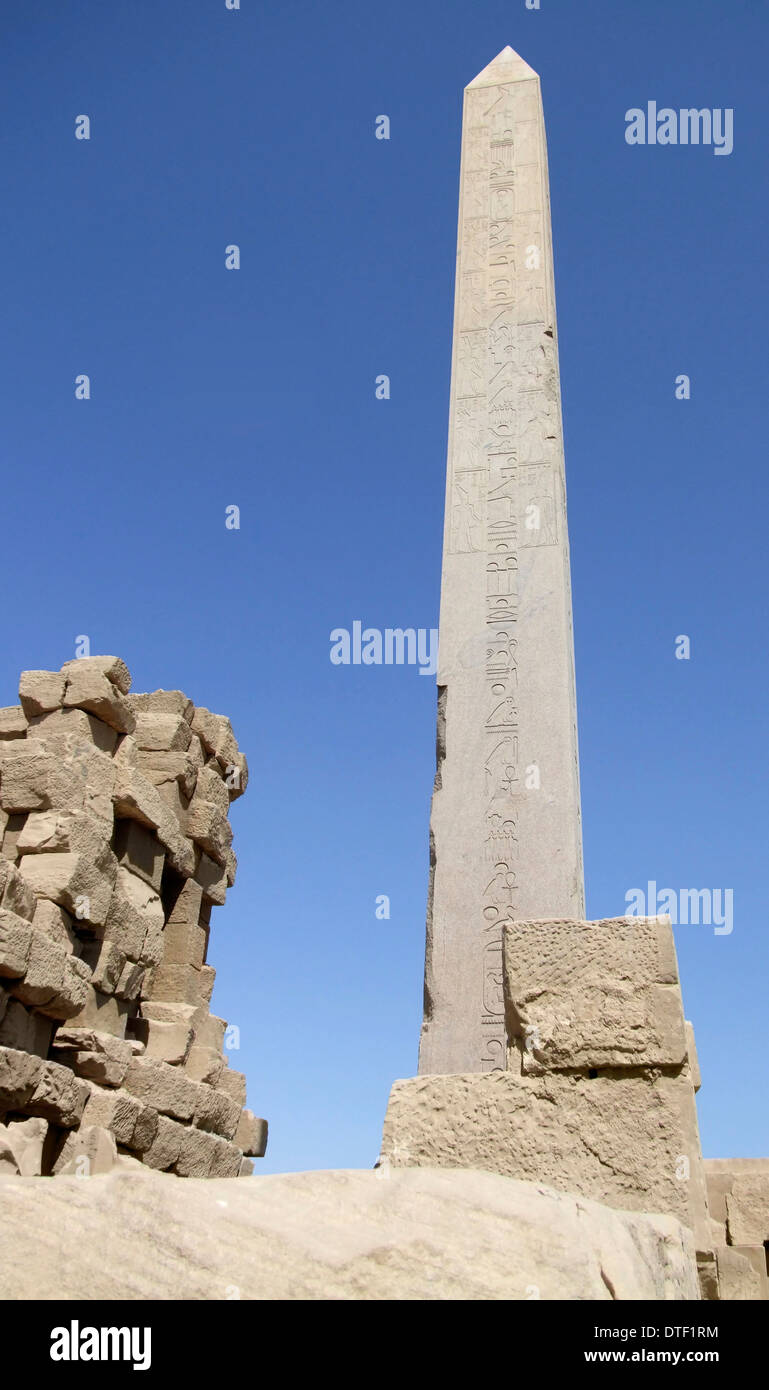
[(256, 387)]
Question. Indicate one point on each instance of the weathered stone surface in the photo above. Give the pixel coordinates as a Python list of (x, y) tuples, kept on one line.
[(135, 909), (226, 1160), (87, 1152), (53, 921), (40, 691), (212, 879), (44, 976), (92, 691), (196, 1154), (25, 1029), (94, 1055), (164, 1087), (16, 894), (19, 1075), (52, 832), (103, 1012), (209, 828), (177, 984), (59, 1096), (25, 771), (112, 667), (593, 994), (747, 1208), (333, 1235), (162, 732), (251, 1135), (64, 729), (233, 1083), (13, 725), (204, 1064), (691, 1052), (166, 1147), (26, 1139), (140, 851), (136, 798), (738, 1280), (215, 1112), (76, 882), (166, 702), (621, 1140), (114, 1110), (15, 945), (166, 1030), (164, 768)]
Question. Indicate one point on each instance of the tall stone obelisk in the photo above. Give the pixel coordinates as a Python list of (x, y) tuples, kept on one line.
[(505, 828)]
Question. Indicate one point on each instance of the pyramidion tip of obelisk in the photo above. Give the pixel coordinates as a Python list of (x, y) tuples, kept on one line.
[(508, 66)]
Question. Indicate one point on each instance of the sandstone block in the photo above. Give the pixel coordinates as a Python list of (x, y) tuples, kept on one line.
[(162, 732), (86, 1152), (210, 829), (59, 1096), (163, 1087), (593, 994), (186, 907), (209, 1029), (179, 984), (204, 1064), (26, 1138), (737, 1277), (44, 976), (207, 980), (73, 994), (40, 691), (163, 702), (103, 1012), (106, 962), (139, 850), (15, 945), (251, 1135), (25, 770), (19, 1075), (137, 799), (16, 894), (92, 691), (13, 725), (232, 867), (166, 1147), (216, 1113), (212, 879), (53, 832), (226, 1160), (747, 1208), (64, 729), (112, 667), (625, 1140), (54, 922), (162, 768), (134, 909), (116, 1111), (196, 1154), (24, 1029), (233, 1083), (184, 944), (81, 885), (246, 1168), (210, 787), (131, 981), (166, 1030)]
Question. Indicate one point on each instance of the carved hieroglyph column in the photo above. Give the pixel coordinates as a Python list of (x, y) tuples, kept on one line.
[(505, 831)]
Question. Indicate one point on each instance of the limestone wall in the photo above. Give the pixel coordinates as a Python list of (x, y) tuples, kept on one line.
[(114, 847)]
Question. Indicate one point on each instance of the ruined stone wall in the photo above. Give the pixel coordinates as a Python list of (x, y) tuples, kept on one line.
[(114, 847)]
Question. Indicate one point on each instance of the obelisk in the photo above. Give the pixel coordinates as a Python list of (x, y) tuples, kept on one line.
[(505, 827)]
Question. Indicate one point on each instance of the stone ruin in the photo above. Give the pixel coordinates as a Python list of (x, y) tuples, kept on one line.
[(114, 847)]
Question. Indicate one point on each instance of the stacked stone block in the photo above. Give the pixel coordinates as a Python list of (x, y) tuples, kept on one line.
[(115, 844), (738, 1196)]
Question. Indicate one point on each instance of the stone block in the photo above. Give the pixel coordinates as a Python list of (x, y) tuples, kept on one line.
[(116, 1111), (166, 1031), (186, 907), (27, 1138), (59, 1096), (163, 769), (593, 994), (163, 702), (196, 1154), (44, 977), (86, 1152), (131, 981), (40, 691), (233, 1083), (106, 961), (210, 829), (205, 1064), (231, 864), (207, 981), (81, 885), (25, 772), (226, 1160), (184, 944), (19, 1075), (64, 729), (179, 984), (251, 1135), (112, 667), (747, 1208), (164, 1087), (210, 787), (135, 908), (738, 1280), (162, 732), (13, 725), (137, 799), (215, 1112), (140, 851), (16, 894), (58, 832), (92, 691), (93, 1055), (166, 1147), (25, 1030), (209, 1029), (625, 1140), (246, 1168), (8, 1165), (15, 945), (145, 1130), (72, 997), (103, 1012), (54, 922), (691, 1052)]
